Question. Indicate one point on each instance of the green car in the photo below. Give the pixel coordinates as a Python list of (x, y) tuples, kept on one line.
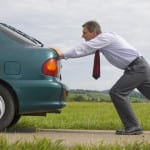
[(29, 77)]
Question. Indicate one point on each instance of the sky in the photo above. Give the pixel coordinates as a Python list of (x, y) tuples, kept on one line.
[(58, 23)]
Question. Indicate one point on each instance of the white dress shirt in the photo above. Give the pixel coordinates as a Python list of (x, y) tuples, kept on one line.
[(116, 49)]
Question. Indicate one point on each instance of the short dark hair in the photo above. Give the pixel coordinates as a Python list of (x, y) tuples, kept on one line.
[(92, 25)]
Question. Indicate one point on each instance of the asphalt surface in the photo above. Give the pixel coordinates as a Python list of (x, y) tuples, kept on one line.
[(73, 137)]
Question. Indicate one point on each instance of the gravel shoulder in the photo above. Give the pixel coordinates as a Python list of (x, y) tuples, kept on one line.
[(72, 137)]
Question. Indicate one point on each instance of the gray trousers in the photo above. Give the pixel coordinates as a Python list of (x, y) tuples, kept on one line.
[(136, 75)]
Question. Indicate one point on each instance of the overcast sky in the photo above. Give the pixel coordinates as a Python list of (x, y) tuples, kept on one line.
[(58, 23)]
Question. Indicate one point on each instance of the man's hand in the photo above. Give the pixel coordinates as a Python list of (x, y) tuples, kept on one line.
[(60, 53)]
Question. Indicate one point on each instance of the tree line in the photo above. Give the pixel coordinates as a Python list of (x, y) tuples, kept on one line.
[(80, 95)]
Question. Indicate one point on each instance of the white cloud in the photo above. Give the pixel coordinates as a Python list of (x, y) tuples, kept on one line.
[(58, 23)]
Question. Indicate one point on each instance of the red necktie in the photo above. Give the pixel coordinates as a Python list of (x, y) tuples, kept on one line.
[(96, 66)]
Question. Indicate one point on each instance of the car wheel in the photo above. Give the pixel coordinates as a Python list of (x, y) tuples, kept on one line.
[(7, 108), (14, 121)]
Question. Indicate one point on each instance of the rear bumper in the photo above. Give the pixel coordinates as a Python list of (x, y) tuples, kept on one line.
[(40, 96)]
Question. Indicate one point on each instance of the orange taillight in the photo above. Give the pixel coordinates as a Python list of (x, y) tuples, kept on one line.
[(50, 67)]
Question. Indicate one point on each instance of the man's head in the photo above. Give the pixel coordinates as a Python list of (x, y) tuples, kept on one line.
[(90, 30)]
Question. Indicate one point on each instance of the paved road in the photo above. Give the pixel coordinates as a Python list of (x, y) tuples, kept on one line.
[(72, 137)]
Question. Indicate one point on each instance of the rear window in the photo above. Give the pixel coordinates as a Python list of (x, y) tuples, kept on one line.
[(19, 36)]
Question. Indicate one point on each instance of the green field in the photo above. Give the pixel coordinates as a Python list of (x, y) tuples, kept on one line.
[(86, 115), (80, 115)]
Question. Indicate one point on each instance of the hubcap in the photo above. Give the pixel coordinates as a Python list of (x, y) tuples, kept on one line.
[(2, 107)]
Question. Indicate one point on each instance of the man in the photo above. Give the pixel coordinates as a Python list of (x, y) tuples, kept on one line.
[(124, 56)]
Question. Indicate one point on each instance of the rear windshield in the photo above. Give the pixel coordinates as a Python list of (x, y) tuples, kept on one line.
[(19, 36)]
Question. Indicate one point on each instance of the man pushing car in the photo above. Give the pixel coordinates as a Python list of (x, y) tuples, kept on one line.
[(123, 56)]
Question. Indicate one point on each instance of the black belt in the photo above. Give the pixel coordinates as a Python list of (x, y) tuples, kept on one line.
[(135, 61)]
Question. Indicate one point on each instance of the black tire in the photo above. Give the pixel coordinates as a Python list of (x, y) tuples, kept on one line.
[(7, 108), (14, 121)]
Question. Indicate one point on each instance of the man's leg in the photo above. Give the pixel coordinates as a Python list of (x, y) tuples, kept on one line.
[(119, 95), (144, 88), (135, 76)]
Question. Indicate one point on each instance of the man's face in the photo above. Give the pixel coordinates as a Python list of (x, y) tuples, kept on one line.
[(88, 35)]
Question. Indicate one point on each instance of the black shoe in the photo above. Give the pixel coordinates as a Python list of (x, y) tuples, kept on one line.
[(130, 131)]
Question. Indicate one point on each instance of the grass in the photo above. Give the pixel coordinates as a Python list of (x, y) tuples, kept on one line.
[(80, 115), (86, 115), (46, 144), (37, 144)]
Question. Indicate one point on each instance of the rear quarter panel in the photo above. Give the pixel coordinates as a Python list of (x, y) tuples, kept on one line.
[(21, 68)]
